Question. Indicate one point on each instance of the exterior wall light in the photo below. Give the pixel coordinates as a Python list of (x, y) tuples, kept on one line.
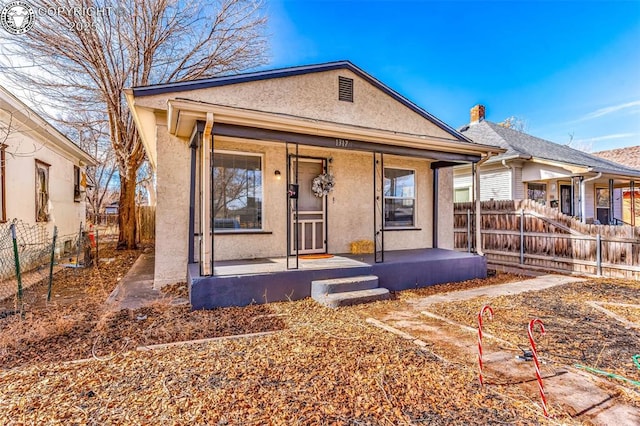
[(278, 174)]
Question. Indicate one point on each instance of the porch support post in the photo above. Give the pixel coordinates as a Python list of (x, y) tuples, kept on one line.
[(581, 194), (611, 204), (435, 208), (206, 187), (633, 203), (573, 198), (194, 144), (478, 213)]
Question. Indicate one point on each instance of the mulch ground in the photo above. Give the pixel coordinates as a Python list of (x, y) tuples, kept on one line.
[(576, 332), (320, 366)]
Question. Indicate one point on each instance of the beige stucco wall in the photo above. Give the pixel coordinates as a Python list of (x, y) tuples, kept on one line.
[(349, 206), (172, 209), (21, 155), (445, 208), (313, 96)]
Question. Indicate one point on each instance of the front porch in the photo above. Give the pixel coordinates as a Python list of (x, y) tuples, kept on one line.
[(242, 282)]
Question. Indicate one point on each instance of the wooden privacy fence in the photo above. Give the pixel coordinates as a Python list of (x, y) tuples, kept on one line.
[(146, 218), (526, 234)]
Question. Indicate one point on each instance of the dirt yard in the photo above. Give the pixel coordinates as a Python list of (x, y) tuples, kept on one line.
[(318, 366)]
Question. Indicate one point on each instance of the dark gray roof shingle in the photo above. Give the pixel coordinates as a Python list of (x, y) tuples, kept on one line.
[(525, 146)]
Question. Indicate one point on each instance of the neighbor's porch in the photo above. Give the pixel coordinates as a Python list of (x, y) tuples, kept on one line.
[(242, 282)]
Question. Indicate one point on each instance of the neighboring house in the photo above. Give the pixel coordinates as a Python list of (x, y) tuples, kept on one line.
[(626, 200), (42, 173), (577, 183), (274, 134), (112, 208)]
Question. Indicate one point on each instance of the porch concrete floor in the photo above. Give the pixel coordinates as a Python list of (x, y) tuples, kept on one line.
[(279, 264)]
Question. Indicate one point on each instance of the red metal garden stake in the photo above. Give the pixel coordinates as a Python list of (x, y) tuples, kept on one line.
[(484, 308), (532, 324)]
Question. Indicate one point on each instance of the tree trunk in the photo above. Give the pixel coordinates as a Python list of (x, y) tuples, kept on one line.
[(127, 213)]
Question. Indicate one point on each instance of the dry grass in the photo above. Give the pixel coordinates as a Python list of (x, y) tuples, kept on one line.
[(326, 367), (77, 324)]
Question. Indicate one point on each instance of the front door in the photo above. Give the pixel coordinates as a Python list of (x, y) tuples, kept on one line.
[(566, 203), (311, 209)]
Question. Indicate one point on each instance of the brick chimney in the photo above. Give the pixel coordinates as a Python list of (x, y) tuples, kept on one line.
[(477, 114)]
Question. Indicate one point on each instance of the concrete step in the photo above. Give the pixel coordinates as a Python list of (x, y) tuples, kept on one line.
[(347, 298), (321, 288)]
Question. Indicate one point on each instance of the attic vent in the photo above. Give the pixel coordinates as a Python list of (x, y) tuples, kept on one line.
[(345, 89)]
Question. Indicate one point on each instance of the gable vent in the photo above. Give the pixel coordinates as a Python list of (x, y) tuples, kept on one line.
[(345, 89)]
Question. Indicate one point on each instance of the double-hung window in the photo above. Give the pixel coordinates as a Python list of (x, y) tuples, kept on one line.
[(77, 180), (537, 192), (237, 191), (42, 191), (399, 198)]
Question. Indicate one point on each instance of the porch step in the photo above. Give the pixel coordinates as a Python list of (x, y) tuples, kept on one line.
[(348, 291), (349, 298), (341, 285)]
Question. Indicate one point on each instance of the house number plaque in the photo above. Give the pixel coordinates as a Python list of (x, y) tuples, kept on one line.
[(343, 143)]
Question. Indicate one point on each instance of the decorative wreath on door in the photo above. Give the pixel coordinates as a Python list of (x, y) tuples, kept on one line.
[(323, 184)]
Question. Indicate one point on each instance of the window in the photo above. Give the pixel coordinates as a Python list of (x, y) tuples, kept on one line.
[(462, 195), (42, 192), (537, 192), (237, 191), (77, 196), (3, 208), (399, 198)]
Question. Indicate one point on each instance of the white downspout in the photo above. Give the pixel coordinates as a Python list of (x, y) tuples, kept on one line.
[(583, 200), (478, 207)]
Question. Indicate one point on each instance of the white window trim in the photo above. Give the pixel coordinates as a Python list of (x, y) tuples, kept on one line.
[(262, 164), (415, 198)]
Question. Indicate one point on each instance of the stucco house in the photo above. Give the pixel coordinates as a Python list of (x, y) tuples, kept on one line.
[(42, 172), (266, 180), (626, 200), (577, 183)]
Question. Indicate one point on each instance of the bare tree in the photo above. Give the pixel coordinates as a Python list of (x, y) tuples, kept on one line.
[(81, 55), (92, 134), (515, 123)]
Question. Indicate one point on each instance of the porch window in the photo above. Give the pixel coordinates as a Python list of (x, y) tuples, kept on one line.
[(42, 192), (399, 198), (537, 192), (237, 191)]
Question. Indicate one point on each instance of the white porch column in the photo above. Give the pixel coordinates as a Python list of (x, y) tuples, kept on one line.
[(206, 213)]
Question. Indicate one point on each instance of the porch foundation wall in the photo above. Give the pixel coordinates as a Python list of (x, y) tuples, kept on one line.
[(402, 270)]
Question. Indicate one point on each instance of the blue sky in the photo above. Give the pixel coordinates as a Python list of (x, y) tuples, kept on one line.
[(565, 68)]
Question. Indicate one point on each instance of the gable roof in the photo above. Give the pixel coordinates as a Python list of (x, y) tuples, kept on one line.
[(38, 125), (524, 146), (629, 156), (206, 83)]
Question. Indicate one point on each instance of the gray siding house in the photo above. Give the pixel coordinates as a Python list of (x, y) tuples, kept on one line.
[(575, 182)]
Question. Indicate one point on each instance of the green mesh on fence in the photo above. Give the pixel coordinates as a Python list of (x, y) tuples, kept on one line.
[(34, 245)]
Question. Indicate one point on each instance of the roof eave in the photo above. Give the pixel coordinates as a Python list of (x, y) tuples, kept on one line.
[(183, 109)]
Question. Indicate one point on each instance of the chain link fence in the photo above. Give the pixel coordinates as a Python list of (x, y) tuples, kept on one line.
[(29, 256)]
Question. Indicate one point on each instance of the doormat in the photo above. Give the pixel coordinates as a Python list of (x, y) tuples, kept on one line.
[(316, 256)]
